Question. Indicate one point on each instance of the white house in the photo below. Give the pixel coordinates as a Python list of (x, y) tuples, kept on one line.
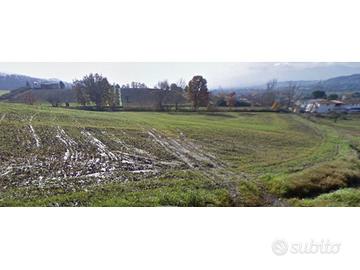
[(324, 106), (328, 106)]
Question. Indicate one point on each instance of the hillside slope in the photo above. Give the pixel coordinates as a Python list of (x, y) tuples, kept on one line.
[(15, 81), (343, 83), (336, 84)]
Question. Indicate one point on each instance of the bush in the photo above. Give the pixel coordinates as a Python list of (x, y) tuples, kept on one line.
[(321, 179), (221, 103), (242, 103)]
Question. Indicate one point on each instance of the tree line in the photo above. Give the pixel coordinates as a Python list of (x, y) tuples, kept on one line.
[(94, 88), (97, 89)]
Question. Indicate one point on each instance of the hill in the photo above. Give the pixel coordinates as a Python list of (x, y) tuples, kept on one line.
[(343, 83), (336, 84), (15, 81)]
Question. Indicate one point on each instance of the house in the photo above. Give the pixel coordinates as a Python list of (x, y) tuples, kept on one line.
[(324, 106), (46, 85), (352, 105), (327, 106), (50, 85), (150, 99)]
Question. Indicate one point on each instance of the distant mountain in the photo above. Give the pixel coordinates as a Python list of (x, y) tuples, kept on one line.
[(14, 81), (343, 83), (337, 84)]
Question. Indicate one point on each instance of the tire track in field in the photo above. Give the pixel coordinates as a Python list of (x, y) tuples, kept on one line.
[(186, 151), (69, 143), (33, 133), (101, 148), (2, 117), (105, 163), (196, 158)]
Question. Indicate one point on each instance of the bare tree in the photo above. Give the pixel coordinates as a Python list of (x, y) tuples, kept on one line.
[(231, 100), (175, 87), (269, 96), (54, 97), (271, 85), (161, 99), (291, 94), (163, 85), (29, 98), (181, 83), (138, 85)]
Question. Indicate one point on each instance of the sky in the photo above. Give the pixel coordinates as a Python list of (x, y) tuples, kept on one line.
[(226, 75)]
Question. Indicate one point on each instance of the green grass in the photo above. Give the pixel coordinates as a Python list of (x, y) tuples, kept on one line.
[(340, 198), (262, 158), (174, 189)]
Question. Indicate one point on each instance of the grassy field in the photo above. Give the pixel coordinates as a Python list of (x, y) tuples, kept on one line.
[(63, 157)]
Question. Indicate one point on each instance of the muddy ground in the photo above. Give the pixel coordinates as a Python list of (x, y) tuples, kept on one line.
[(75, 157)]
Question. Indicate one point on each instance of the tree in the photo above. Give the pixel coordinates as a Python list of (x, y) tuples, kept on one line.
[(181, 83), (82, 94), (29, 98), (54, 98), (62, 85), (138, 85), (319, 94), (269, 96), (116, 98), (271, 85), (175, 87), (333, 97), (231, 100), (220, 100), (163, 85), (291, 94), (197, 92), (94, 88)]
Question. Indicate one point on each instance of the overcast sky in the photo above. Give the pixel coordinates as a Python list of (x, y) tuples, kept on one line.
[(218, 74)]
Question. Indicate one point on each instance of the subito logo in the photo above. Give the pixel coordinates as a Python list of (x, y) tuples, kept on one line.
[(280, 247)]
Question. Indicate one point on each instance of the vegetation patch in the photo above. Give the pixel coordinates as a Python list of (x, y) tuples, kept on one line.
[(318, 179)]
